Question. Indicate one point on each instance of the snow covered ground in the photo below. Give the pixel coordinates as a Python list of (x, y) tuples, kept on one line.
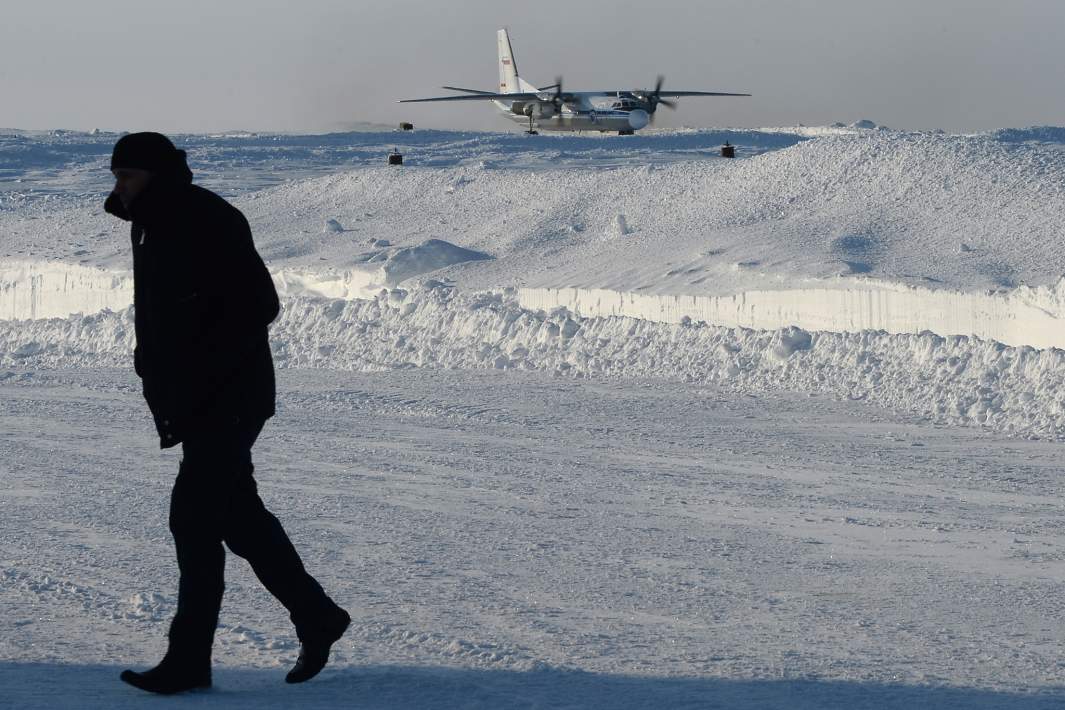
[(584, 544), (833, 230), (577, 421)]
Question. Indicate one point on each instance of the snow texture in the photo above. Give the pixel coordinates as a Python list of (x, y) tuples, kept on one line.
[(573, 421), (518, 540), (841, 230)]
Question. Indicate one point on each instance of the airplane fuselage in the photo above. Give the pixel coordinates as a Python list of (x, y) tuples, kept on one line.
[(573, 118)]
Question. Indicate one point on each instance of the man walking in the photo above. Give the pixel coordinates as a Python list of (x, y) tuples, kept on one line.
[(203, 300)]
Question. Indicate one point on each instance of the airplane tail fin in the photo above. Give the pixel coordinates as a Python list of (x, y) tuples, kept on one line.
[(509, 81)]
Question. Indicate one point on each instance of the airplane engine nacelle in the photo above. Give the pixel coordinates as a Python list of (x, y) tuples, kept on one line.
[(638, 118)]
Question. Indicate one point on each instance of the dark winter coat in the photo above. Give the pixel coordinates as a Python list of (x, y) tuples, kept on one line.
[(202, 302)]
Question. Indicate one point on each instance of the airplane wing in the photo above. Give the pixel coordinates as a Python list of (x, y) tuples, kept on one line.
[(697, 93), (476, 95), (468, 91), (568, 97), (615, 93), (486, 96)]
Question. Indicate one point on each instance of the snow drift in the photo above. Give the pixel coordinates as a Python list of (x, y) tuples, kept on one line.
[(957, 379), (31, 290), (35, 289), (1022, 316)]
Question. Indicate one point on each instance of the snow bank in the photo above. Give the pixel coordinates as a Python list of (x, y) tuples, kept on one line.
[(53, 289), (1018, 317), (955, 212), (401, 264), (1022, 316), (1042, 134), (40, 289), (1020, 391), (382, 268)]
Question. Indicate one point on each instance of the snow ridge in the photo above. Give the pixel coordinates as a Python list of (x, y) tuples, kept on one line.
[(1022, 316), (961, 212), (1016, 390)]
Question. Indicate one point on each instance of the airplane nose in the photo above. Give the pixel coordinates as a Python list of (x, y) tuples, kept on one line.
[(638, 118)]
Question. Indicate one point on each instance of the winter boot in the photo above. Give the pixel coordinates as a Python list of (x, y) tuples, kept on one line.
[(314, 646), (170, 676)]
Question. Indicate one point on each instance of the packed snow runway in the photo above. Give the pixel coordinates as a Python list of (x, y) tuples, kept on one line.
[(525, 540)]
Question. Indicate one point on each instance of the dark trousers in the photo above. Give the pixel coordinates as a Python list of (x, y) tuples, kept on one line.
[(215, 501)]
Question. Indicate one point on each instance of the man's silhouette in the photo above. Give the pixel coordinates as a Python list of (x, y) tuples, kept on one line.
[(203, 300)]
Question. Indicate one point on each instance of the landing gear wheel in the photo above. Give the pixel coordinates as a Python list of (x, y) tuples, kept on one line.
[(531, 131), (627, 133)]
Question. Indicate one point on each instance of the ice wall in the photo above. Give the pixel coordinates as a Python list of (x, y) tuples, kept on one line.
[(1022, 316), (35, 290), (1019, 317), (41, 289), (31, 290)]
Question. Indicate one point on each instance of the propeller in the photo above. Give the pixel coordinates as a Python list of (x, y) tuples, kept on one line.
[(654, 98), (557, 98)]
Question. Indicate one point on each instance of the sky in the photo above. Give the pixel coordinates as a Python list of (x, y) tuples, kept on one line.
[(326, 65)]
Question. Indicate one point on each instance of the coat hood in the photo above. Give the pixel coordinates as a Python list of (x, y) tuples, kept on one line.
[(152, 202)]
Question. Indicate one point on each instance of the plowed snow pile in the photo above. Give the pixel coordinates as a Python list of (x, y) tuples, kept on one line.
[(870, 263), (957, 380)]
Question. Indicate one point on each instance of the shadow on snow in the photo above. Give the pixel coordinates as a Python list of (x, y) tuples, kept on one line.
[(41, 685)]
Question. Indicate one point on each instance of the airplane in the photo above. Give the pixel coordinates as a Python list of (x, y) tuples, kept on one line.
[(549, 108)]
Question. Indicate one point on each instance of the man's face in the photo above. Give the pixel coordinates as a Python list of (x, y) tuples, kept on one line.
[(130, 182)]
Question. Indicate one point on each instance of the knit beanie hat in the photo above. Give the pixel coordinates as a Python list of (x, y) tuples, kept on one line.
[(148, 151)]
